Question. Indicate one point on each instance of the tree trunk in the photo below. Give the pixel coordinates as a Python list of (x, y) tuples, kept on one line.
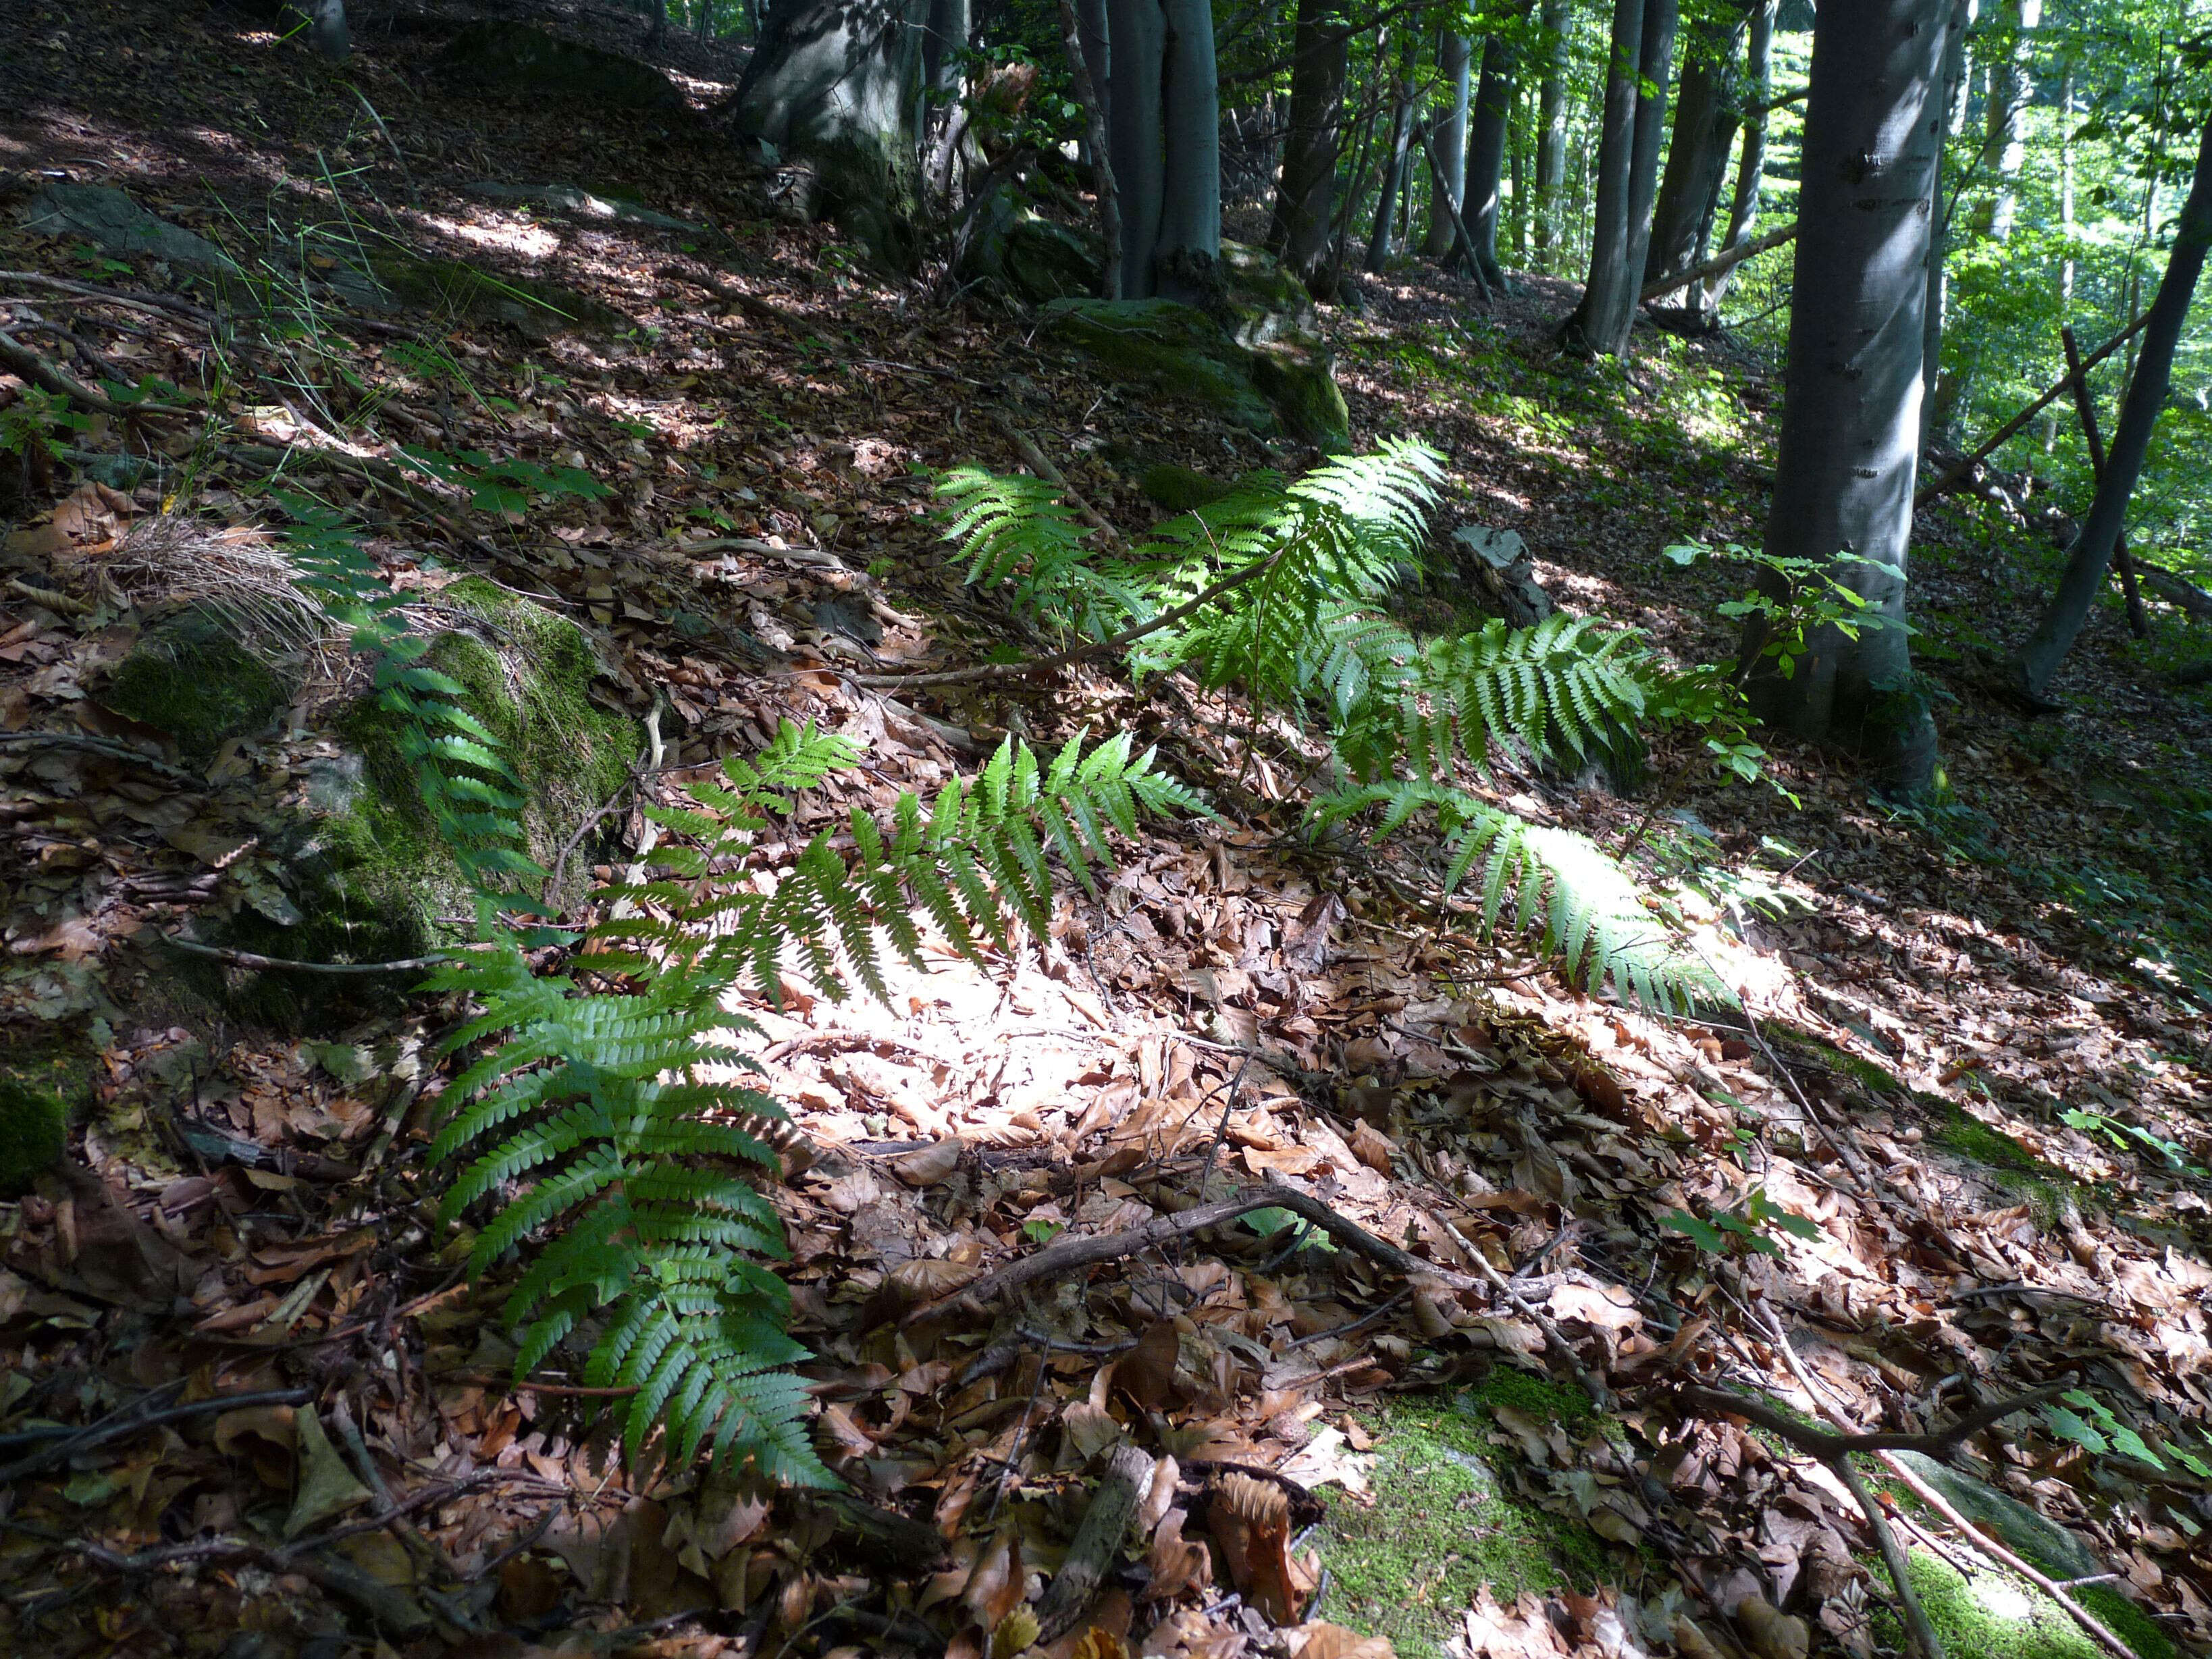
[(1843, 480), (2004, 142), (1751, 169), (1516, 166), (1321, 58), (1138, 29), (658, 32), (1609, 292), (1097, 60), (1935, 418), (1655, 63), (1485, 155), (1090, 93), (1393, 167), (703, 25), (941, 48), (326, 28), (838, 83), (1447, 138), (1707, 108), (1190, 207), (1552, 134), (2084, 575)]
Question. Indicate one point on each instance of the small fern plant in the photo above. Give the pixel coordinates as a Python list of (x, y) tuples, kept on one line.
[(1303, 574), (617, 1131)]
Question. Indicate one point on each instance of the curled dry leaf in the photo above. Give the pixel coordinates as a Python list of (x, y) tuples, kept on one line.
[(995, 1587), (1016, 1632), (1147, 1372), (925, 1278), (1372, 1147), (1770, 1632), (930, 1164), (1691, 1642), (1172, 1562), (1319, 1641), (1250, 1520)]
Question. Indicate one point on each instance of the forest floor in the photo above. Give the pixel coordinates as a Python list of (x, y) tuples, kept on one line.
[(251, 1408)]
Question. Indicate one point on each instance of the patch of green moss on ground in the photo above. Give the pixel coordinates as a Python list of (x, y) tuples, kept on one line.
[(1995, 1615), (1443, 1522), (33, 1132), (190, 676), (2008, 1166)]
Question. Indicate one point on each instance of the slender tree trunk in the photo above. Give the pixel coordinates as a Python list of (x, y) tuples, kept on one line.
[(1485, 155), (1190, 207), (2091, 553), (1321, 57), (1654, 65), (1751, 169), (1448, 137), (1394, 167), (1138, 31), (1609, 292), (326, 28), (1089, 93), (1098, 64), (1552, 134), (1843, 478), (1516, 166), (941, 49), (1707, 108), (2066, 225), (702, 25), (1935, 417), (2004, 143)]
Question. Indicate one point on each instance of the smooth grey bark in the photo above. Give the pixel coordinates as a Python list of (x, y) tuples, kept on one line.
[(838, 83), (1138, 29), (1655, 63), (1843, 477), (2004, 140), (1934, 415), (1190, 206), (1097, 52), (326, 28), (1394, 165), (1320, 58), (1485, 155), (2084, 575), (1750, 168), (1603, 314), (941, 47), (1090, 93), (1708, 106), (1551, 133), (1447, 138)]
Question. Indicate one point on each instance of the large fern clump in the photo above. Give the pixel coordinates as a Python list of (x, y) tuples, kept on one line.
[(1299, 575), (615, 1131)]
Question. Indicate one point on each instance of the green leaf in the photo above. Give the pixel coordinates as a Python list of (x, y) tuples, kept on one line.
[(1702, 1234)]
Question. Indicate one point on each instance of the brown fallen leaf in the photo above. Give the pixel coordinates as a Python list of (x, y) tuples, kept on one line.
[(1320, 1641), (1250, 1520), (929, 1165), (1770, 1632), (1147, 1372)]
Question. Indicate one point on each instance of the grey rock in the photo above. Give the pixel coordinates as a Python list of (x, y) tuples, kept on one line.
[(567, 198), (111, 220), (2030, 1535)]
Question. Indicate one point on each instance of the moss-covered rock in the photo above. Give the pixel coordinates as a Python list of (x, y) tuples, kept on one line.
[(509, 58), (1180, 488), (1256, 368), (455, 288), (1263, 301), (190, 676), (1996, 1615), (1026, 257), (365, 865), (1445, 1520), (34, 1134)]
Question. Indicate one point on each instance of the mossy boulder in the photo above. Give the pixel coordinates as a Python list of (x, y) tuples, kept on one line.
[(1027, 256), (1282, 385), (516, 59), (454, 288), (1262, 301), (1180, 488), (34, 1134), (1997, 1615), (365, 868), (190, 676)]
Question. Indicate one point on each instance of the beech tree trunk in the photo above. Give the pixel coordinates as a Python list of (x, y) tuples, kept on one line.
[(1606, 309), (1394, 165), (326, 28), (941, 49), (1843, 478), (1934, 416), (2085, 564), (1751, 168), (1655, 65), (1190, 207), (1305, 195), (1138, 29), (1447, 138), (1707, 109), (1552, 134), (2004, 142), (1485, 155), (838, 83)]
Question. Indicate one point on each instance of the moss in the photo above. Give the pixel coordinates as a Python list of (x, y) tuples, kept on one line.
[(453, 287), (366, 863), (190, 676), (1443, 1523), (1178, 348), (515, 57), (1179, 488), (34, 1134), (2048, 1190), (1996, 1616), (1295, 377)]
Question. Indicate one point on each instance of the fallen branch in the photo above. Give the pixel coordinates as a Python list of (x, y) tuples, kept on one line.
[(2175, 591), (109, 748), (133, 299), (1728, 259), (70, 1442), (1041, 463), (1817, 1442), (1463, 240), (285, 964), (1098, 1543), (46, 372), (1965, 464)]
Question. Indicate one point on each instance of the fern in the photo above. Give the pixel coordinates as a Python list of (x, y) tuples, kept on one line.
[(1306, 629), (605, 1124)]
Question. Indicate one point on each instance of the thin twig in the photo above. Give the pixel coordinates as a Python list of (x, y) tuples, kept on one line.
[(1819, 1444), (110, 750), (285, 964)]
